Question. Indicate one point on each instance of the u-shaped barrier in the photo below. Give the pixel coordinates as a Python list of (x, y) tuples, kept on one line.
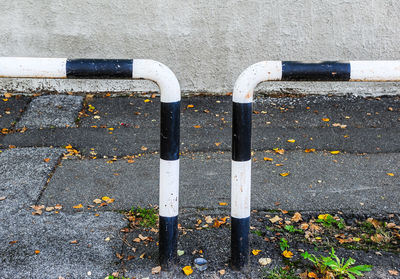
[(241, 125), (22, 67)]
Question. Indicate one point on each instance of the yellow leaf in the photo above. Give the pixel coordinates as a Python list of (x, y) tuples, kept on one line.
[(147, 100), (78, 206), (325, 119), (309, 150), (335, 152), (105, 198), (323, 216), (390, 174), (5, 100), (312, 275), (291, 140), (268, 159), (68, 146), (287, 254), (223, 203), (111, 129), (190, 106), (357, 239), (255, 252), (187, 270), (284, 174), (217, 143), (279, 151), (197, 126)]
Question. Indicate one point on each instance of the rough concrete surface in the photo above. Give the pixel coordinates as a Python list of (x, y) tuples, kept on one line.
[(11, 109), (51, 234), (206, 44), (51, 111), (317, 181), (24, 173)]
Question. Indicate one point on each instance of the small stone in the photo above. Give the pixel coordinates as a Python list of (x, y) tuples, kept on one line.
[(264, 261)]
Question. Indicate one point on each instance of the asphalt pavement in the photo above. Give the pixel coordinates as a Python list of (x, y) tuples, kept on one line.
[(312, 154)]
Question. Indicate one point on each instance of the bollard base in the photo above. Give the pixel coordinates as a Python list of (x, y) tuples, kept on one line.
[(168, 242), (240, 243)]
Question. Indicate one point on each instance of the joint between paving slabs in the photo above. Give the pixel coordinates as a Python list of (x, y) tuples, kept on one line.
[(53, 170)]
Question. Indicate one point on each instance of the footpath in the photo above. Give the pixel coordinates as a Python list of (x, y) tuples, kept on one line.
[(325, 173)]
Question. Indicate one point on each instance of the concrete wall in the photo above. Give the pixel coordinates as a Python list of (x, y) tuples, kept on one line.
[(206, 43)]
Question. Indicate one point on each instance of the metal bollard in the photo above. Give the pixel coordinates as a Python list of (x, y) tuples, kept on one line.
[(241, 125), (26, 67)]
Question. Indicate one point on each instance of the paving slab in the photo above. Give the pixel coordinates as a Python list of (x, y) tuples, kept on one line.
[(50, 235), (372, 126), (51, 111), (317, 181), (11, 109), (24, 173)]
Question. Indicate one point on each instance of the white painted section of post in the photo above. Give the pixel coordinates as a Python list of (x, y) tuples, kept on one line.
[(252, 76), (241, 189), (162, 75), (28, 67), (374, 70), (169, 188)]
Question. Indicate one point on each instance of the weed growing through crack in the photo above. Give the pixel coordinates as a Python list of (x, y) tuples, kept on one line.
[(329, 221), (333, 267), (146, 217), (279, 273)]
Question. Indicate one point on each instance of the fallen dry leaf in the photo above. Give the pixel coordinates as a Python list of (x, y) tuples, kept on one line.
[(275, 219), (74, 241), (393, 272), (291, 140), (255, 252), (156, 270), (37, 252), (325, 119), (296, 217), (58, 206), (390, 173), (190, 106), (208, 219), (334, 152), (268, 159), (309, 150), (312, 275), (284, 174), (223, 203), (97, 201), (46, 160), (2, 198), (287, 254), (197, 126), (78, 206), (279, 151), (221, 272), (187, 270)]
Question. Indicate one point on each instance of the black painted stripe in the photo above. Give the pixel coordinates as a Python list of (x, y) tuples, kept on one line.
[(240, 242), (168, 241), (99, 68), (169, 132), (241, 131), (323, 71)]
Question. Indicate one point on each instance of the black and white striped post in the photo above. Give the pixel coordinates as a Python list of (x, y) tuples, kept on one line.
[(23, 67), (241, 126)]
